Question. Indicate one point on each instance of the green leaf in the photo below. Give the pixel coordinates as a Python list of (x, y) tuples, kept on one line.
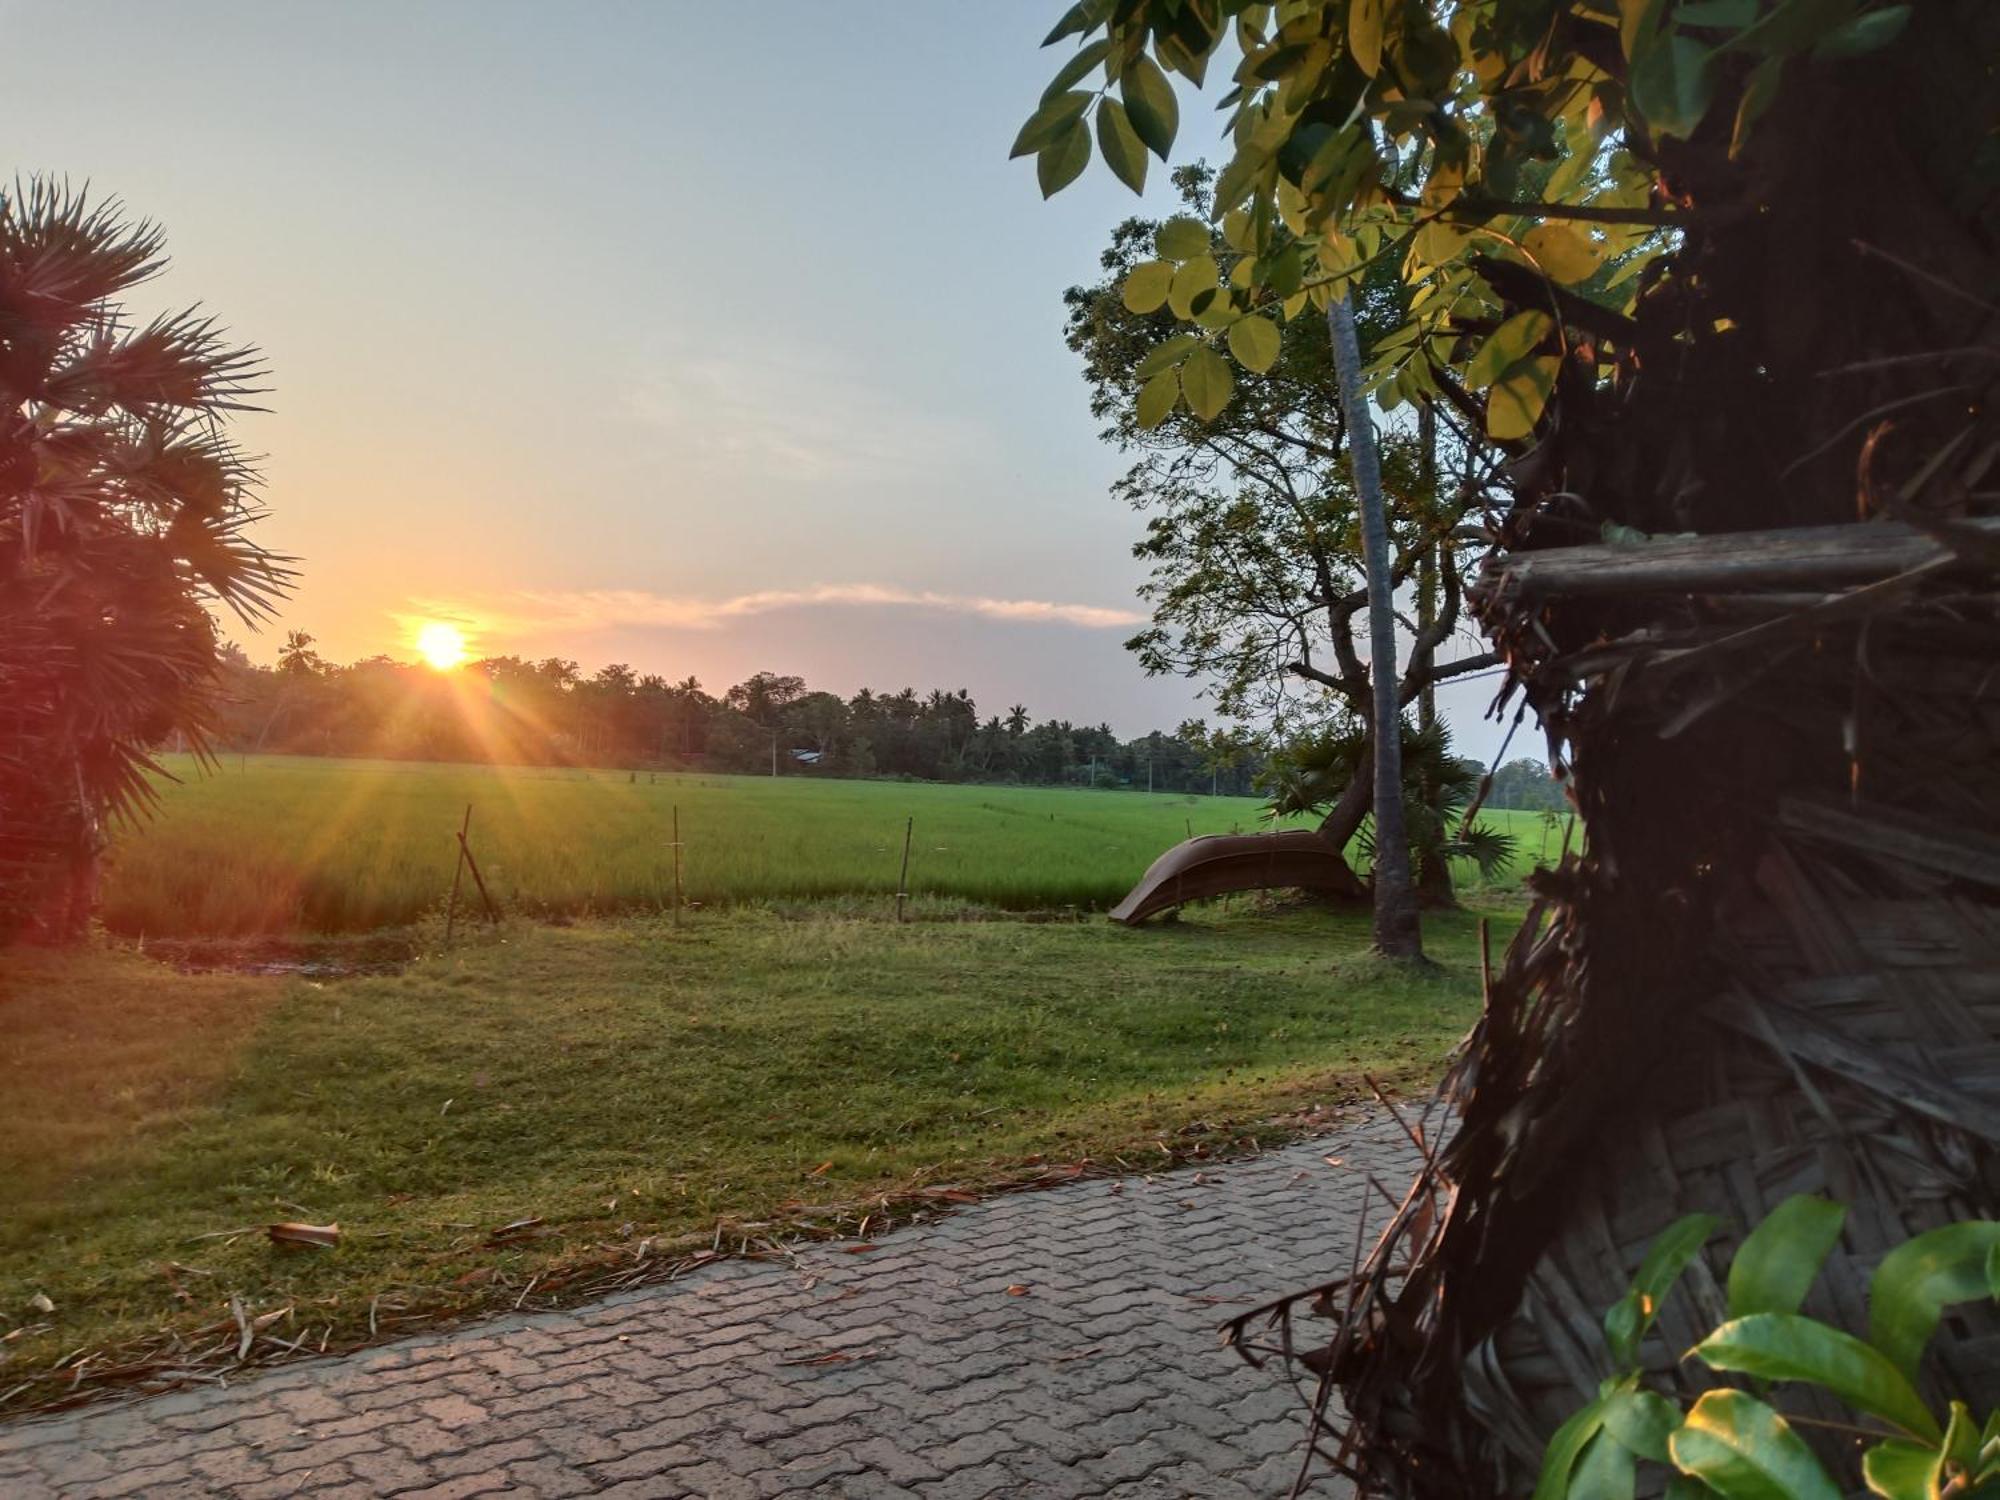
[(1157, 397), (1792, 26), (1181, 239), (1638, 23), (1049, 121), (1869, 32), (1758, 92), (1686, 1487), (1916, 1281), (1743, 1450), (1073, 70), (1993, 1278), (1778, 1263), (1506, 346), (1672, 81), (1625, 1324), (1605, 1471), (1214, 307), (1197, 276), (1364, 34), (1786, 1346), (1062, 161), (1565, 1448), (1733, 15), (1897, 1470), (1169, 354), (1207, 381), (1123, 151), (1146, 286), (1641, 1420), (1677, 1245), (1960, 1450), (1562, 253), (1514, 405), (1079, 17), (1149, 100), (1254, 341)]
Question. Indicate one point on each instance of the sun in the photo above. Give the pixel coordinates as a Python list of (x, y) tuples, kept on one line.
[(441, 645)]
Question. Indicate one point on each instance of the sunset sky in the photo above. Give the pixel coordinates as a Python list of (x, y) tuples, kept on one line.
[(708, 338)]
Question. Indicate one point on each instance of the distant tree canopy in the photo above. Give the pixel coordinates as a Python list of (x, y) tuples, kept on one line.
[(1526, 786), (508, 710), (124, 517)]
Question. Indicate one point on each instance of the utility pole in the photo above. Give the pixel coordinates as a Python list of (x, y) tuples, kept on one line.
[(1398, 929)]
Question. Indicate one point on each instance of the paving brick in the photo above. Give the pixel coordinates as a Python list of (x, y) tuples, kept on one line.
[(1105, 1379)]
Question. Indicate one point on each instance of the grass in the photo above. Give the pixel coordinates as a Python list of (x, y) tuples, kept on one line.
[(281, 844), (622, 1080)]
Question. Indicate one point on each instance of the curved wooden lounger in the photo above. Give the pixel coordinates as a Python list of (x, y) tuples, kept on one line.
[(1215, 864)]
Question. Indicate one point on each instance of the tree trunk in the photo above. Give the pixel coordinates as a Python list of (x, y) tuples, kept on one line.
[(1398, 930), (1433, 869), (1343, 821), (1427, 565)]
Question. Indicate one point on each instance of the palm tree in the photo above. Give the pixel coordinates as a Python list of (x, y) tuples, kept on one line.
[(1017, 720), (296, 658), (1438, 791), (124, 513)]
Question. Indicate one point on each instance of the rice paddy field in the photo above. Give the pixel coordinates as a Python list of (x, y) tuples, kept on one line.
[(284, 844), (613, 1078)]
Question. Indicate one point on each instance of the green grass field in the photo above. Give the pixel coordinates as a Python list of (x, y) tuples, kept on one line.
[(623, 1080), (279, 844)]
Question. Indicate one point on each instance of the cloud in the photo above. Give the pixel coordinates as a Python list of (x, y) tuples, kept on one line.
[(796, 415), (531, 612)]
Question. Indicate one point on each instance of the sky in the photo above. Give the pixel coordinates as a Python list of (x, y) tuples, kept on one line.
[(707, 338)]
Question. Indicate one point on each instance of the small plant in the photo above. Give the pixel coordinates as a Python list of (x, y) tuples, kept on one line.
[(1731, 1443)]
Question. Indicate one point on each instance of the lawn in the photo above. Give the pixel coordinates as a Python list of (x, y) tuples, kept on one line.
[(624, 1080), (280, 844)]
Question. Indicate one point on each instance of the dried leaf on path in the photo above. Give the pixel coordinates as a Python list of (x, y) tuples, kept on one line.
[(831, 1357), (520, 1229), (296, 1236)]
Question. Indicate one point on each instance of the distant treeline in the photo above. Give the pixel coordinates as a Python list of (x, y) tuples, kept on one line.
[(507, 710), (510, 711)]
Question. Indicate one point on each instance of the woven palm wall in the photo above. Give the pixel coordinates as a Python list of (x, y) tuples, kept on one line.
[(1749, 580)]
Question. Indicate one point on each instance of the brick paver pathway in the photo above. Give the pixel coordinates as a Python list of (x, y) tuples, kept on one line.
[(1103, 1377)]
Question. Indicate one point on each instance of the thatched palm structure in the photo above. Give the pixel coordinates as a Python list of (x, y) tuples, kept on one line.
[(1752, 587)]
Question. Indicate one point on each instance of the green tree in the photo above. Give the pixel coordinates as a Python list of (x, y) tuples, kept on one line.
[(124, 520)]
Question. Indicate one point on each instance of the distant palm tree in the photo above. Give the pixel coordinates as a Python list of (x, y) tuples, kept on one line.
[(1017, 720), (296, 658), (124, 513)]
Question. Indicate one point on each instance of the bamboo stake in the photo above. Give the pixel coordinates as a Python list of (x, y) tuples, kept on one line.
[(903, 880), (457, 875), (492, 912)]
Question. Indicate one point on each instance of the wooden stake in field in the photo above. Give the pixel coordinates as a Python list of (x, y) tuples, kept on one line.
[(457, 874), (677, 864), (465, 862), (903, 880)]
